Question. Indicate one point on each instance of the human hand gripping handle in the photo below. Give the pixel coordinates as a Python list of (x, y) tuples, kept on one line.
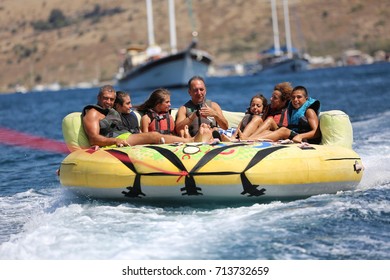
[(198, 109), (121, 143)]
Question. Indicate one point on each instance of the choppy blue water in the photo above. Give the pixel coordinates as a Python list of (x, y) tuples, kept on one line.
[(40, 220)]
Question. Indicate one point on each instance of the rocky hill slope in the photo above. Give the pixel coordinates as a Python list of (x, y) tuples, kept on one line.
[(46, 41)]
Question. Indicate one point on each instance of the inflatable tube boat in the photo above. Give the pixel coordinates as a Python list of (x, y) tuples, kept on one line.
[(236, 170)]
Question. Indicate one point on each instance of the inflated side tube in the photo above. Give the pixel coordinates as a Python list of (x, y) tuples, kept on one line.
[(336, 129), (73, 131)]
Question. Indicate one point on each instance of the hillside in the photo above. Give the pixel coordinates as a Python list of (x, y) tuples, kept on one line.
[(46, 41)]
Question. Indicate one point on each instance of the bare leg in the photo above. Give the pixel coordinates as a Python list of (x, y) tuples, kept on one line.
[(252, 126), (204, 135), (154, 138), (267, 126), (234, 136), (241, 136), (279, 134), (186, 132), (225, 138)]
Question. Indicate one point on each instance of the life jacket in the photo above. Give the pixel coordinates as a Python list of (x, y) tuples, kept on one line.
[(297, 120), (194, 126), (279, 116), (112, 125), (163, 123), (130, 121)]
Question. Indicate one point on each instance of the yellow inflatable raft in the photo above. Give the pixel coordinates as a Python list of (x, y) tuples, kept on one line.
[(241, 170)]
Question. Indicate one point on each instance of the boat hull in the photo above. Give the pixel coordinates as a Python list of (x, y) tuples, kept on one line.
[(285, 66), (237, 171), (170, 71)]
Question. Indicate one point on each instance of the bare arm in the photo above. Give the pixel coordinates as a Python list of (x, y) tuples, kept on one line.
[(92, 129), (312, 118), (182, 120), (145, 121)]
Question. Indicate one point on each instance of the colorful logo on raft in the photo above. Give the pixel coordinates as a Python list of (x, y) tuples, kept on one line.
[(263, 145)]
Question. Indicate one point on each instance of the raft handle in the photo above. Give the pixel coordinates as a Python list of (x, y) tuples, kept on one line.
[(357, 167)]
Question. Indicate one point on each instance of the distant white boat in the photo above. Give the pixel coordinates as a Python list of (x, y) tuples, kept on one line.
[(152, 68), (278, 59), (47, 87), (53, 87), (281, 63), (21, 89)]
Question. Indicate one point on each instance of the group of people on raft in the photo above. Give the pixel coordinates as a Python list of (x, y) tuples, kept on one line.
[(291, 114)]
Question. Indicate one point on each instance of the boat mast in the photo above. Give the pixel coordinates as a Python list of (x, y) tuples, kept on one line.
[(275, 28), (193, 25), (172, 25), (287, 27), (149, 14)]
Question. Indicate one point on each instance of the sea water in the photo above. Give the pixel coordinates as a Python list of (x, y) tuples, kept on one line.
[(41, 220)]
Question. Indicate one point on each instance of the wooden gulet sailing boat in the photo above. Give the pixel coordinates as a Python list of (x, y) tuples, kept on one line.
[(152, 68), (281, 59)]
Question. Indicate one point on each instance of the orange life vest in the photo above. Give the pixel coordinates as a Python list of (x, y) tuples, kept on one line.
[(163, 123)]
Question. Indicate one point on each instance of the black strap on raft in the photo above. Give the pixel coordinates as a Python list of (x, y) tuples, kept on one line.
[(212, 154), (135, 190), (190, 187), (202, 162), (246, 184)]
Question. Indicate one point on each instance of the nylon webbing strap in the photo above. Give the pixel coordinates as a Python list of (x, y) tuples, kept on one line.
[(135, 190), (169, 155), (260, 155), (211, 154), (190, 187), (248, 187)]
